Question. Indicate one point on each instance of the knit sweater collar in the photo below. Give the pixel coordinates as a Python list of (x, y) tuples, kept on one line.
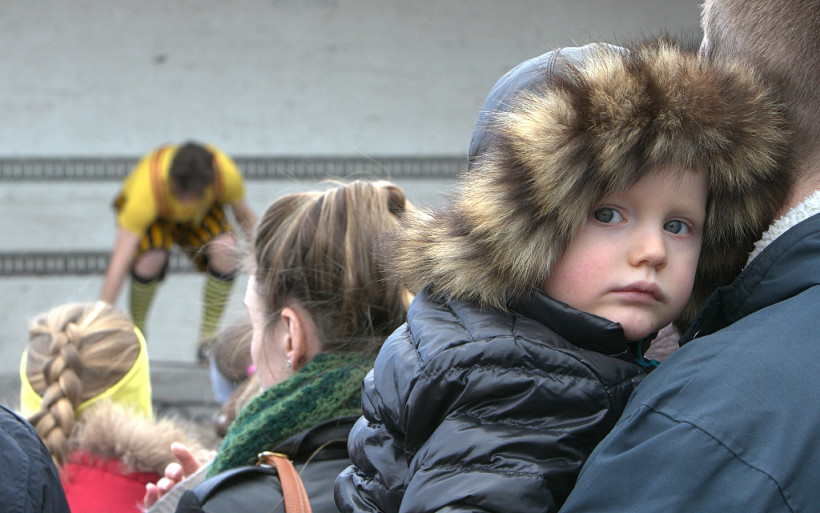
[(329, 386)]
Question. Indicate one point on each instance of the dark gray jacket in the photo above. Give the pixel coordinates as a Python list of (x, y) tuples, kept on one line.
[(28, 478)]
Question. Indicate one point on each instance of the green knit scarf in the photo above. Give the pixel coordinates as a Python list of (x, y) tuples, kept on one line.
[(327, 387)]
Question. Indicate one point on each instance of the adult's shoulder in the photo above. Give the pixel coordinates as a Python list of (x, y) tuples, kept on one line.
[(28, 477)]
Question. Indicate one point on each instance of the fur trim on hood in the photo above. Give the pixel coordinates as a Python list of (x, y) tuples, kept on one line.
[(140, 444), (587, 126)]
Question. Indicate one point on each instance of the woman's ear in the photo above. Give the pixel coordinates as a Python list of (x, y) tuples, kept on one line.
[(301, 342)]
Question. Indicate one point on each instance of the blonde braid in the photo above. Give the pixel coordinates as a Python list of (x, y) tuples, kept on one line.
[(63, 391), (75, 352)]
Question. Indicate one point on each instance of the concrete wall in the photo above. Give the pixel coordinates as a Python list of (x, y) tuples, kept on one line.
[(96, 77), (256, 77)]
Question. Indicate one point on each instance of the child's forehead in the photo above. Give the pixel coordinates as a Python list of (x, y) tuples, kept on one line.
[(681, 186), (670, 174)]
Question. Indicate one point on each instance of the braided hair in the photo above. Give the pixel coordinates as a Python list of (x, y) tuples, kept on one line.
[(75, 352)]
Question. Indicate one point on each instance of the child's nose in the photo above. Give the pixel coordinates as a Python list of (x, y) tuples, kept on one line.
[(649, 248)]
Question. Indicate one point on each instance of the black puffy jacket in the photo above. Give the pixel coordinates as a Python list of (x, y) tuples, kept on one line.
[(481, 410)]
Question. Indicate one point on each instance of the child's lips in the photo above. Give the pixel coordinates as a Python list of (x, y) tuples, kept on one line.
[(641, 292)]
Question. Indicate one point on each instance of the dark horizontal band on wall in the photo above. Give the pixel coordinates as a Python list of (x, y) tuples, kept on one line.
[(68, 263), (253, 168)]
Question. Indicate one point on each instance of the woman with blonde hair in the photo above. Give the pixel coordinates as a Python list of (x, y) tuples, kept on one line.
[(86, 390), (320, 306)]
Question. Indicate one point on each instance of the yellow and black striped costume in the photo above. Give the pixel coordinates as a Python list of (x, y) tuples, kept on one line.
[(147, 207)]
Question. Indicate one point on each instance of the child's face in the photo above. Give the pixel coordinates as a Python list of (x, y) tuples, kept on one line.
[(634, 260)]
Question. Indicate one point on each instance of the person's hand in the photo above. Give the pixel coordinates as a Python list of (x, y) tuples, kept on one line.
[(174, 473)]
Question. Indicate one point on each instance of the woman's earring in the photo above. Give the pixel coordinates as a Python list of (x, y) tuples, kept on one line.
[(288, 363)]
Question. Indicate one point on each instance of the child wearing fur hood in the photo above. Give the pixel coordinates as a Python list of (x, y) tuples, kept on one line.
[(609, 191)]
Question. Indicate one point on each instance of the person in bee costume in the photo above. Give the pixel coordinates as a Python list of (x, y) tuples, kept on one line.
[(177, 195)]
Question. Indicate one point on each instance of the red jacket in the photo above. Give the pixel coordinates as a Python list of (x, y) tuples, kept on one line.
[(94, 484), (116, 453)]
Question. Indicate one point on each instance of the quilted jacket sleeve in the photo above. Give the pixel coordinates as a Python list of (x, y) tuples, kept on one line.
[(375, 481)]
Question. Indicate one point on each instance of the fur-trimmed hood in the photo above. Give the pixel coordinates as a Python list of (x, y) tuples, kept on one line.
[(585, 123), (140, 444)]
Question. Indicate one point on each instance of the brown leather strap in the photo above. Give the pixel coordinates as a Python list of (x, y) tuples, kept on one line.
[(293, 490)]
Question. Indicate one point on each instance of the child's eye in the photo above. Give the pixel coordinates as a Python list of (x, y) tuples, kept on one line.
[(677, 227), (607, 215)]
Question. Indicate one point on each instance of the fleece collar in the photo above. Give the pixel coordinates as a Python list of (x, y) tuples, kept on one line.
[(804, 210), (784, 269)]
